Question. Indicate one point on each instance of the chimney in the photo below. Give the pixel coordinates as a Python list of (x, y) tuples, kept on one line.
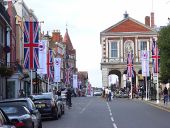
[(56, 37), (147, 21), (152, 20)]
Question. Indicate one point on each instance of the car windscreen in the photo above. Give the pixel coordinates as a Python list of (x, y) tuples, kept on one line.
[(15, 102), (39, 97)]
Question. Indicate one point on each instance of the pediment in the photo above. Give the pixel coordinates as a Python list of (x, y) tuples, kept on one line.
[(129, 25)]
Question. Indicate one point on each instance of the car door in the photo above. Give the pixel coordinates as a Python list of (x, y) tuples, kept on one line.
[(4, 121), (36, 116)]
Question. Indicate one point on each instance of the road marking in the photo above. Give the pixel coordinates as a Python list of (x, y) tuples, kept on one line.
[(112, 119), (85, 107), (114, 125), (111, 116)]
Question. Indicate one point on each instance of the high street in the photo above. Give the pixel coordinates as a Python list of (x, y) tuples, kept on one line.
[(95, 112)]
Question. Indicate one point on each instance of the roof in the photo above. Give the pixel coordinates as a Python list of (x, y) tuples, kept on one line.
[(83, 74), (128, 25), (67, 41)]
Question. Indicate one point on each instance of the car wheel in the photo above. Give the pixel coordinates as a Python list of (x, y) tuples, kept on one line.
[(63, 110)]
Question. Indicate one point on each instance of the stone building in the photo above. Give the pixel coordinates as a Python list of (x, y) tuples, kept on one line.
[(5, 29), (128, 35)]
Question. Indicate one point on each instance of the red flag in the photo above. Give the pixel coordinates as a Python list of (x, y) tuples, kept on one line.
[(50, 66), (155, 57)]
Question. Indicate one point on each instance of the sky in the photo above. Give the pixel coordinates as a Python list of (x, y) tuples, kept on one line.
[(85, 19)]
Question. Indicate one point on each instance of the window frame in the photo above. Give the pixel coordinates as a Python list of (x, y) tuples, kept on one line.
[(116, 50)]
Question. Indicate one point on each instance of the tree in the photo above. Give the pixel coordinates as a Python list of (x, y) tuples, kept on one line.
[(164, 47)]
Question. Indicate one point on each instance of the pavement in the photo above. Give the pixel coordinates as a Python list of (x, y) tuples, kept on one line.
[(159, 104)]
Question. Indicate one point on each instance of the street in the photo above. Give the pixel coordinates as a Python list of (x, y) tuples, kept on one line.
[(95, 112)]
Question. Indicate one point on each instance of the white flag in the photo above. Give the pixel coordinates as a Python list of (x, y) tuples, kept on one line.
[(42, 57), (75, 84), (57, 63), (145, 62)]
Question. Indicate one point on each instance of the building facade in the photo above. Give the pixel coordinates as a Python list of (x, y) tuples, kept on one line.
[(5, 29), (128, 35)]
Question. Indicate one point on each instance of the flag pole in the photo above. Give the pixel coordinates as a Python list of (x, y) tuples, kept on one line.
[(131, 88), (146, 88), (48, 84), (146, 79), (157, 86), (31, 84)]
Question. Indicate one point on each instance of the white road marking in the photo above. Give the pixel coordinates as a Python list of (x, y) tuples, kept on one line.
[(85, 107), (112, 119), (111, 116), (114, 125)]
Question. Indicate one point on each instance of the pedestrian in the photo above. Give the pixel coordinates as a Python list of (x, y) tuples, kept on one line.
[(165, 93), (103, 95), (106, 93), (109, 95), (21, 93), (68, 97), (142, 92), (169, 94)]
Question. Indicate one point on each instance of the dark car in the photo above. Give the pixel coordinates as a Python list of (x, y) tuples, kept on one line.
[(27, 102), (46, 105), (4, 120), (18, 115)]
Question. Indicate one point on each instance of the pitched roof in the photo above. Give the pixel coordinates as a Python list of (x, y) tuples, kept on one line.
[(67, 41), (129, 25)]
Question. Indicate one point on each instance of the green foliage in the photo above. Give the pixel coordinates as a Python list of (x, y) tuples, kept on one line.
[(164, 46), (6, 72)]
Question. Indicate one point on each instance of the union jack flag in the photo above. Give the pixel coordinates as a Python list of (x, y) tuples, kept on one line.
[(50, 65), (68, 75), (155, 56), (130, 69), (31, 42)]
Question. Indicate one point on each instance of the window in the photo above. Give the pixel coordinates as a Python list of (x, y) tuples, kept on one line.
[(143, 45), (1, 35), (1, 39), (114, 49)]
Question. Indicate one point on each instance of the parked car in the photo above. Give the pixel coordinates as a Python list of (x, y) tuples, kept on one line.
[(27, 102), (60, 103), (18, 115), (4, 120), (47, 105)]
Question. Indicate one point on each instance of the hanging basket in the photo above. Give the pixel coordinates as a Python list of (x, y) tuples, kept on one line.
[(6, 72)]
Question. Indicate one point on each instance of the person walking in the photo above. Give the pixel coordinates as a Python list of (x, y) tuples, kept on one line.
[(68, 98), (107, 93), (165, 93), (142, 92), (169, 94)]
